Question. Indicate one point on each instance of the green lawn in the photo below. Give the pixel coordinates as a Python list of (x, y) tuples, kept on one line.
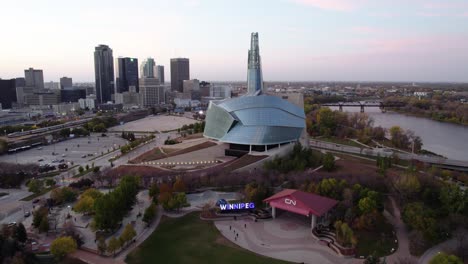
[(378, 242), (35, 195), (191, 240)]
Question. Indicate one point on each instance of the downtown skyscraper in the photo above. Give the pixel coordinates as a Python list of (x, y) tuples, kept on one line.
[(148, 68), (180, 71), (126, 75), (104, 73), (254, 71)]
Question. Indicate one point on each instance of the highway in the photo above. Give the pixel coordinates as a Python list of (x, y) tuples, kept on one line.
[(384, 152)]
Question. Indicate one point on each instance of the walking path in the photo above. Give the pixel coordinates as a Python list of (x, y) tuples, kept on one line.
[(446, 246), (402, 234), (280, 239)]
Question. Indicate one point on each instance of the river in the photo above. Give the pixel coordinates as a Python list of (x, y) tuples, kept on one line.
[(449, 140)]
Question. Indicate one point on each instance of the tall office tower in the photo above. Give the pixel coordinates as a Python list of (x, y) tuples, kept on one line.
[(66, 82), (160, 73), (7, 92), (180, 71), (254, 72), (34, 78), (148, 68), (152, 93), (126, 75), (104, 72)]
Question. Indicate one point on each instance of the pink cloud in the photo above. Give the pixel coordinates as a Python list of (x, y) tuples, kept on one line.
[(335, 5)]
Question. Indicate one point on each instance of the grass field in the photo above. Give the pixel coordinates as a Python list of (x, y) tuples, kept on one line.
[(190, 240)]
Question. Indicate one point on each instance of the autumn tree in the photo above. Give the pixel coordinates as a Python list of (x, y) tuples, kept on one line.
[(113, 245), (62, 246), (179, 185), (344, 234), (127, 234)]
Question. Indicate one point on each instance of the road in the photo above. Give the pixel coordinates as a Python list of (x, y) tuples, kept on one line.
[(386, 153)]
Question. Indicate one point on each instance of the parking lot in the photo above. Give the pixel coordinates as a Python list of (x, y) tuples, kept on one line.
[(75, 151), (155, 123)]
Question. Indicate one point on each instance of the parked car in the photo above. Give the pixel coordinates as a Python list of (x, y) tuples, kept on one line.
[(27, 214), (39, 160)]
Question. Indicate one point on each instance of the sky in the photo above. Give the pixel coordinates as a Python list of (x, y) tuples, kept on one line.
[(300, 40)]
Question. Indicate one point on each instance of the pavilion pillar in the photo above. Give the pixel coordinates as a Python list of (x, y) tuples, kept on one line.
[(313, 222), (250, 149), (266, 148), (273, 212)]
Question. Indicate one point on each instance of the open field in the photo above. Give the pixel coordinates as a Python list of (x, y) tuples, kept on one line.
[(190, 240), (155, 124)]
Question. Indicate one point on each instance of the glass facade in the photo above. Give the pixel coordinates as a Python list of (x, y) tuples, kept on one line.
[(127, 75), (254, 72), (254, 120), (104, 73)]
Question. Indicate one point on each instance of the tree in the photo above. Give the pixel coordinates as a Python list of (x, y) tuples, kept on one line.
[(179, 185), (3, 146), (62, 246), (102, 246), (80, 169), (44, 225), (443, 258), (344, 234), (367, 205), (149, 214), (371, 259), (128, 234), (154, 192), (84, 205), (329, 162), (20, 233), (113, 245), (35, 186)]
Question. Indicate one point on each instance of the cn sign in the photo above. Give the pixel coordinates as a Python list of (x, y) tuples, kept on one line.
[(289, 201)]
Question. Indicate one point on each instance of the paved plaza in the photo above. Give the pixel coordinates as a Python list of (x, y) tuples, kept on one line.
[(157, 123), (288, 237), (71, 150)]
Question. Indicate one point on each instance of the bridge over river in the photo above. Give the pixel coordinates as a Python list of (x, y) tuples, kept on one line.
[(363, 104)]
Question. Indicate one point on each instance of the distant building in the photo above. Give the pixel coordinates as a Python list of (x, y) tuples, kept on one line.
[(127, 98), (180, 71), (66, 82), (151, 92), (21, 92), (42, 98), (160, 73), (34, 78), (126, 75), (191, 85), (7, 93), (220, 91), (421, 94), (64, 109), (68, 95), (52, 85), (104, 73), (148, 68), (89, 103)]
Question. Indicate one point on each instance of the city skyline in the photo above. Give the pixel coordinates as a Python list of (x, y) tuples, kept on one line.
[(302, 40)]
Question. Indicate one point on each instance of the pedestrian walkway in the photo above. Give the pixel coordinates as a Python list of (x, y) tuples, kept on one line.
[(284, 239)]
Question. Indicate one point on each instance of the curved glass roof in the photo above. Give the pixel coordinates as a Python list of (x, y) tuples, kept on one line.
[(254, 120), (268, 117), (247, 102), (261, 135)]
